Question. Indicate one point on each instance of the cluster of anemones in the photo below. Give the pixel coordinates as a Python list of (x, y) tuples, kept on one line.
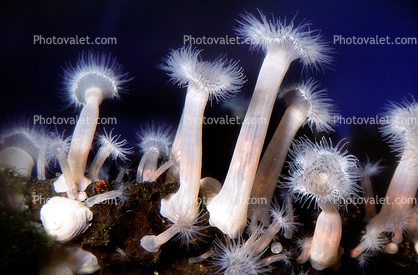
[(319, 172)]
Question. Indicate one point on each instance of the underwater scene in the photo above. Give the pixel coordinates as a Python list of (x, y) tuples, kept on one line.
[(209, 137)]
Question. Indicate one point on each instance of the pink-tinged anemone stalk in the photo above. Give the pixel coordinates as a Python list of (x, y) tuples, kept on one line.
[(94, 78), (367, 170), (121, 194), (219, 79), (186, 228), (124, 169), (282, 45), (306, 105), (57, 149), (327, 175), (173, 173), (155, 142), (109, 146), (402, 133)]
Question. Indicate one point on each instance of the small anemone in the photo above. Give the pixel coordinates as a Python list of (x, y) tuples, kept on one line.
[(233, 258), (363, 260), (121, 194), (239, 257), (303, 244), (117, 151), (57, 145), (155, 142), (373, 243), (125, 196), (322, 172), (284, 220), (155, 137), (186, 227), (123, 256), (370, 168), (189, 233), (109, 146)]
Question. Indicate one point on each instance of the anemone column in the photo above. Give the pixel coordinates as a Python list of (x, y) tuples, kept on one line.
[(282, 44), (94, 78)]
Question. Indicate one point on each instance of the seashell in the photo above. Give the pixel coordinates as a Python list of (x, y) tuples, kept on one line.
[(65, 219), (67, 261)]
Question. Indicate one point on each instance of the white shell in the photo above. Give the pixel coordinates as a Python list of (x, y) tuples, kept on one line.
[(276, 247), (65, 219), (67, 261)]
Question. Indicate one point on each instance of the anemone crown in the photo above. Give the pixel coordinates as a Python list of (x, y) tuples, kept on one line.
[(370, 168), (284, 220), (233, 258), (155, 137), (114, 145), (299, 41), (57, 145), (322, 172), (320, 110), (402, 128), (221, 78), (93, 71), (30, 137)]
